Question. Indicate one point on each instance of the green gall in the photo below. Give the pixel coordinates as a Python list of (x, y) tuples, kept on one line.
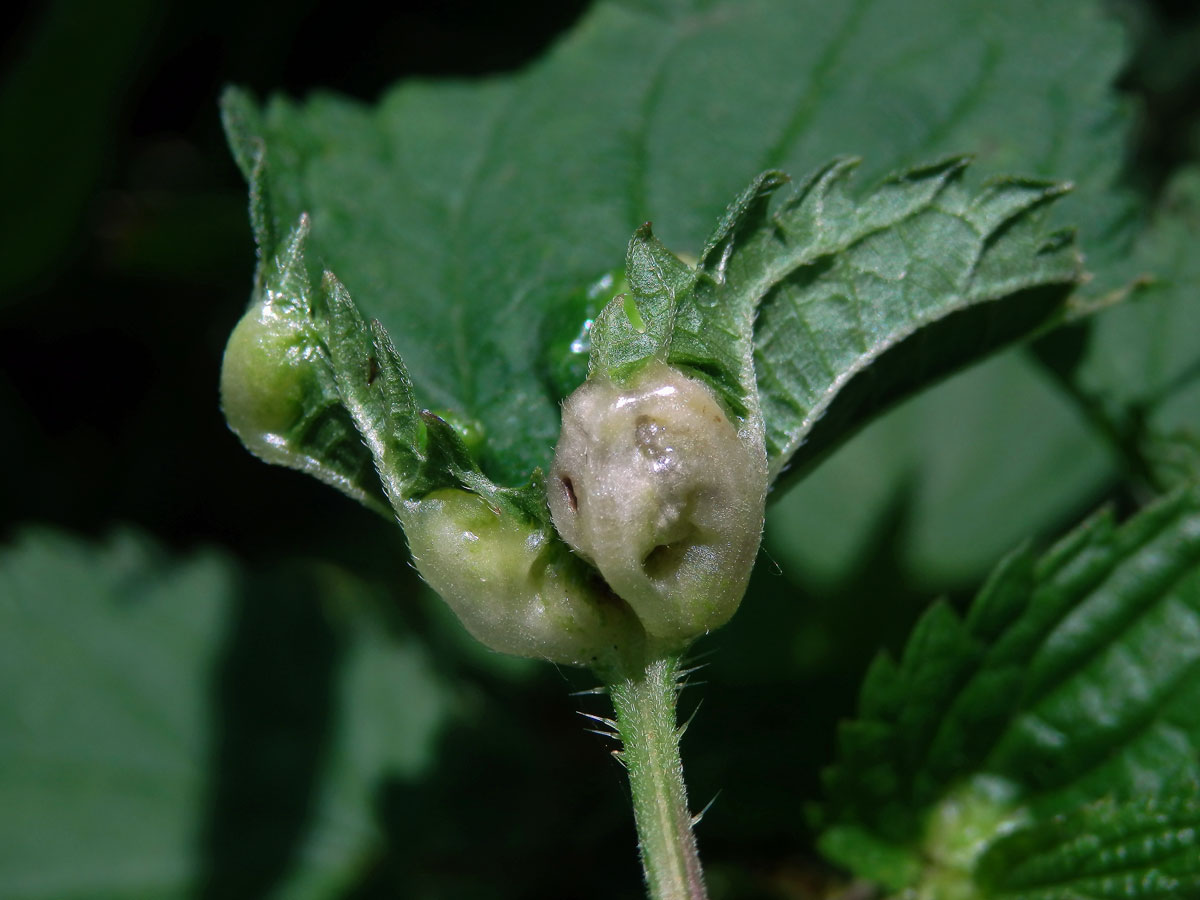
[(266, 376), (655, 486), (279, 397), (515, 587)]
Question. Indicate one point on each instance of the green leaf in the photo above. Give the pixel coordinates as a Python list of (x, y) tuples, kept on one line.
[(1073, 677), (308, 383), (465, 216), (105, 664), (837, 286), (863, 278), (167, 725), (280, 394), (856, 280), (393, 700), (695, 318), (1141, 848)]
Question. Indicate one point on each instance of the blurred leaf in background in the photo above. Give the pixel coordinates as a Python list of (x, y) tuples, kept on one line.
[(173, 723)]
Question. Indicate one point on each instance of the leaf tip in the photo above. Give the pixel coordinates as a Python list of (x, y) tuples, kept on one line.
[(840, 167), (946, 169)]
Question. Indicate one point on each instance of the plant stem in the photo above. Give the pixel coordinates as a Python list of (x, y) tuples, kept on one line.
[(645, 705)]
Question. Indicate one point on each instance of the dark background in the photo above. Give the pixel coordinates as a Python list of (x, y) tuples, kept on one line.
[(126, 258)]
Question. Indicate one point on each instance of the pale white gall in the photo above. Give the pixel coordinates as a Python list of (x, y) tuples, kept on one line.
[(655, 486)]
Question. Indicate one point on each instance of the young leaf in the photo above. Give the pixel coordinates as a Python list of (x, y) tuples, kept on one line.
[(860, 279), (838, 285), (1073, 677), (279, 391), (464, 216), (691, 317), (309, 384)]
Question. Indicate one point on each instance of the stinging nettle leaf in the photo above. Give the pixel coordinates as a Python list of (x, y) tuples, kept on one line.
[(181, 726), (478, 368), (105, 659), (1072, 678), (838, 284), (845, 284), (1146, 848), (469, 217), (309, 384), (682, 315), (785, 308), (466, 216), (278, 391)]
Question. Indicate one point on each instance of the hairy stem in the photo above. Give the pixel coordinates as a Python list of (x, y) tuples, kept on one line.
[(645, 705)]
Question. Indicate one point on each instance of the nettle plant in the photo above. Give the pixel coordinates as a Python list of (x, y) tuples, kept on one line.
[(580, 453)]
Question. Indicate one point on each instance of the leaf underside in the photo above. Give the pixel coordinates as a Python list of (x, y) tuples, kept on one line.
[(788, 306)]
